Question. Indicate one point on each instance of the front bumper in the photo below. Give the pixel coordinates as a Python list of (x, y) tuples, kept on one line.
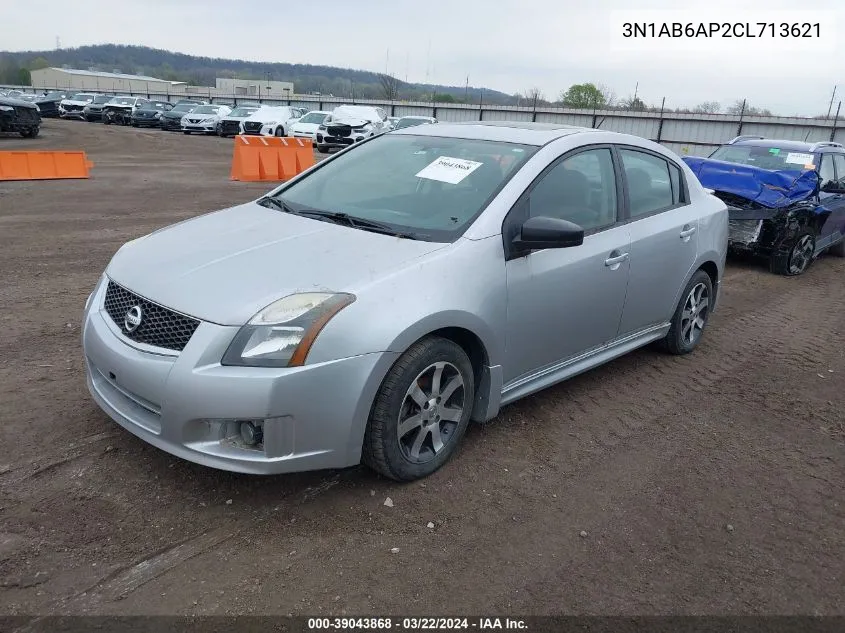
[(92, 115), (205, 128), (322, 138), (71, 114), (170, 124), (189, 405), (145, 122)]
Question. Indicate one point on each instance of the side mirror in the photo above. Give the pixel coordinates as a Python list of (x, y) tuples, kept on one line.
[(545, 232)]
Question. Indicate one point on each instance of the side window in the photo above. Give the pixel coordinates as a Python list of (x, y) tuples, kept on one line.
[(826, 172), (581, 189), (839, 163), (678, 192), (649, 182)]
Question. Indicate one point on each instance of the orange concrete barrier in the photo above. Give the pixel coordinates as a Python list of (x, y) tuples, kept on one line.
[(256, 158), (43, 165)]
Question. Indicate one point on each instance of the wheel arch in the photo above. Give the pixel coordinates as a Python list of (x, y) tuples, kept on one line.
[(477, 339)]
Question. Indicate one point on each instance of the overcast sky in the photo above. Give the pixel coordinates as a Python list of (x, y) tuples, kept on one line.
[(503, 44)]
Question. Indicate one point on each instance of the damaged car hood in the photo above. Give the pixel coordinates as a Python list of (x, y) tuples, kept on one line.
[(771, 189)]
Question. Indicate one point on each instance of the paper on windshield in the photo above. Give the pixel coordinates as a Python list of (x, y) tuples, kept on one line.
[(448, 169), (799, 158)]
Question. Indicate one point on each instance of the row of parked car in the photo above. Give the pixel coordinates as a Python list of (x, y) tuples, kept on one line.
[(340, 127)]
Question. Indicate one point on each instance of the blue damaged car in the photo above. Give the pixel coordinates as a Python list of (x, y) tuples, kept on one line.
[(786, 199)]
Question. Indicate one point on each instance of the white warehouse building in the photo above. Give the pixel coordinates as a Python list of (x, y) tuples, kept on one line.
[(254, 88), (71, 78)]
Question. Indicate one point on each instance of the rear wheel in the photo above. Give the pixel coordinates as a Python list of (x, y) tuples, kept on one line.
[(421, 411), (799, 257), (691, 315), (30, 133)]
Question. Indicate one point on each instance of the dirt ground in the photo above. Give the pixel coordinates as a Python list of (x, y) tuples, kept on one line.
[(707, 484)]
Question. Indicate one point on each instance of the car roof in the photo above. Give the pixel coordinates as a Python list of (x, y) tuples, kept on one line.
[(522, 132), (798, 146)]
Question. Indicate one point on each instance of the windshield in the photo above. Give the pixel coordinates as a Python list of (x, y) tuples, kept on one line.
[(410, 123), (430, 188), (184, 107), (313, 117), (123, 101), (242, 111), (207, 109), (773, 158), (102, 99), (55, 95)]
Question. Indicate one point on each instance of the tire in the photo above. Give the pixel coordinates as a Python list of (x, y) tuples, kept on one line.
[(134, 125), (31, 132), (106, 121), (691, 315), (799, 257), (280, 131), (323, 149), (412, 453), (838, 250), (185, 132)]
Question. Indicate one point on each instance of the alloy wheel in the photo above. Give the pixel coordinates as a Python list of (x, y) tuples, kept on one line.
[(694, 315), (430, 412), (801, 255)]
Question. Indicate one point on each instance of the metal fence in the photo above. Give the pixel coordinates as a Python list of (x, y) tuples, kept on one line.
[(693, 134)]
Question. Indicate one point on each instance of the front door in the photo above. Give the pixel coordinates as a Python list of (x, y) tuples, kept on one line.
[(832, 172), (563, 302)]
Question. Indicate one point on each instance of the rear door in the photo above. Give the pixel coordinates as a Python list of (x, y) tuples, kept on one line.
[(664, 237)]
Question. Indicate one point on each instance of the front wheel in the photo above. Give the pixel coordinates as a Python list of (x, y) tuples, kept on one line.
[(799, 257), (691, 315), (280, 131), (185, 132), (323, 149), (30, 133), (421, 411)]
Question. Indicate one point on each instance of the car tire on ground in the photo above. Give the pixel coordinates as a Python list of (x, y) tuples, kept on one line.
[(31, 132), (280, 131), (691, 315), (323, 149), (799, 257), (185, 132), (106, 121), (421, 411)]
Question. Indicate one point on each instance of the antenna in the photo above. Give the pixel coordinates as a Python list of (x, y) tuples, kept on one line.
[(387, 63), (58, 43), (831, 102), (407, 63)]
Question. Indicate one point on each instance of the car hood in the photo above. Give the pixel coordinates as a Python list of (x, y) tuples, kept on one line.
[(768, 188), (17, 103), (72, 102), (118, 105), (229, 117), (225, 266), (305, 127)]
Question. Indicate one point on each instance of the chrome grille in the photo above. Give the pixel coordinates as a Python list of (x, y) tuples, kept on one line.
[(159, 326), (252, 126)]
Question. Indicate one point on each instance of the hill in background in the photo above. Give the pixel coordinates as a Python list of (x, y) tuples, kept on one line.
[(202, 71)]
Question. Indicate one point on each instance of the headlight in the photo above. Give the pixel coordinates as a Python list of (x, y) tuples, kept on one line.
[(157, 115), (281, 334), (6, 108), (322, 128), (269, 123), (184, 120)]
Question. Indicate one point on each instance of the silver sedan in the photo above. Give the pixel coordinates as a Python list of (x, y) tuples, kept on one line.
[(369, 308)]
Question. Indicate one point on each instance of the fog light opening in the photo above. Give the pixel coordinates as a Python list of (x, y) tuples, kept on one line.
[(251, 433)]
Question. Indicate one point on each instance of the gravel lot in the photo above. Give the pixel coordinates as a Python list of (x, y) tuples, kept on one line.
[(711, 483)]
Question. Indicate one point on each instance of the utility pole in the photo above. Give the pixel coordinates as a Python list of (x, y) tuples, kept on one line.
[(466, 89), (831, 102), (636, 88)]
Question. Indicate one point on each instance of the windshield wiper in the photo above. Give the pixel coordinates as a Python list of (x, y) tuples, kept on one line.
[(269, 201), (339, 217)]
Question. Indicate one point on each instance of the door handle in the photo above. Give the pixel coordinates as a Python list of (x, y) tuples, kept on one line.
[(615, 261), (687, 232)]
